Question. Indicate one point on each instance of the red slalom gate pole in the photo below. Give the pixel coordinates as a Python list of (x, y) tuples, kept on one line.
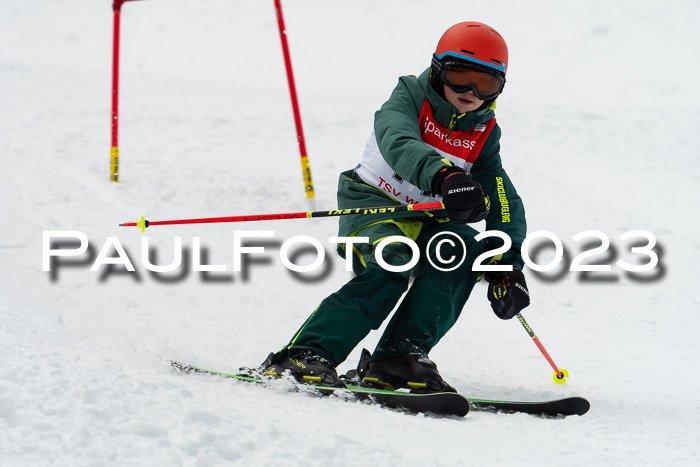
[(143, 223), (560, 374), (305, 166), (114, 152)]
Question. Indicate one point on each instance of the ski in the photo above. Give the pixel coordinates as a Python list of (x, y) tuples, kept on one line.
[(440, 403)]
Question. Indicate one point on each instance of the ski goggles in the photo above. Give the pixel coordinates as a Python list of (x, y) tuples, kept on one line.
[(485, 85)]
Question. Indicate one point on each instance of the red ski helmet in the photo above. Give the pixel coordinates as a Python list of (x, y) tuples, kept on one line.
[(472, 45), (476, 43)]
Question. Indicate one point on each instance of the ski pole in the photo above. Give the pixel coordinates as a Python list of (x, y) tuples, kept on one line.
[(560, 374), (143, 223)]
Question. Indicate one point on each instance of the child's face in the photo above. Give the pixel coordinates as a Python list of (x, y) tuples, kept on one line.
[(463, 101)]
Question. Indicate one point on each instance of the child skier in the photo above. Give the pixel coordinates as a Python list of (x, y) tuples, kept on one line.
[(435, 138)]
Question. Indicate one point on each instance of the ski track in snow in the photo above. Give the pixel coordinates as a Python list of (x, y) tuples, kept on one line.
[(599, 117)]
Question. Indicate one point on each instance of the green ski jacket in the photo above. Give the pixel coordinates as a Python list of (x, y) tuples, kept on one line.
[(417, 133)]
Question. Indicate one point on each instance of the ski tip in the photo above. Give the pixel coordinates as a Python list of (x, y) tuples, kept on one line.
[(574, 405), (580, 405), (556, 408)]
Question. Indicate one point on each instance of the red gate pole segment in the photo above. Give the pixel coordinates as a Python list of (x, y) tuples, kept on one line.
[(305, 167), (114, 153)]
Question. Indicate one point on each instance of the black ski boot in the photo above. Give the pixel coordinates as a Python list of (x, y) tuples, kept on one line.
[(414, 371), (304, 366)]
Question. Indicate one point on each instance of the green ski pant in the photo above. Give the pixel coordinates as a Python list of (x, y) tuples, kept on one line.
[(430, 308)]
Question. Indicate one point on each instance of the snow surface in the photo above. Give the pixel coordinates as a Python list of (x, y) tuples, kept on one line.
[(600, 118)]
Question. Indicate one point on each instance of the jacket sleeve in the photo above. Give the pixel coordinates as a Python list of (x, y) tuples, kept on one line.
[(507, 211), (397, 128)]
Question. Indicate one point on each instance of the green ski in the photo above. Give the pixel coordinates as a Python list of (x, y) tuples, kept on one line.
[(438, 403)]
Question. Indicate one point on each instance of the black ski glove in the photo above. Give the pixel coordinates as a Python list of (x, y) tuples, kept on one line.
[(507, 292), (464, 199)]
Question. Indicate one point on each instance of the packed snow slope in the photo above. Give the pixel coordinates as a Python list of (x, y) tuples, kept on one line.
[(600, 118)]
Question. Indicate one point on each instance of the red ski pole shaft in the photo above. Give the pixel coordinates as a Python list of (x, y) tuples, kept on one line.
[(559, 374), (143, 224), (305, 166)]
